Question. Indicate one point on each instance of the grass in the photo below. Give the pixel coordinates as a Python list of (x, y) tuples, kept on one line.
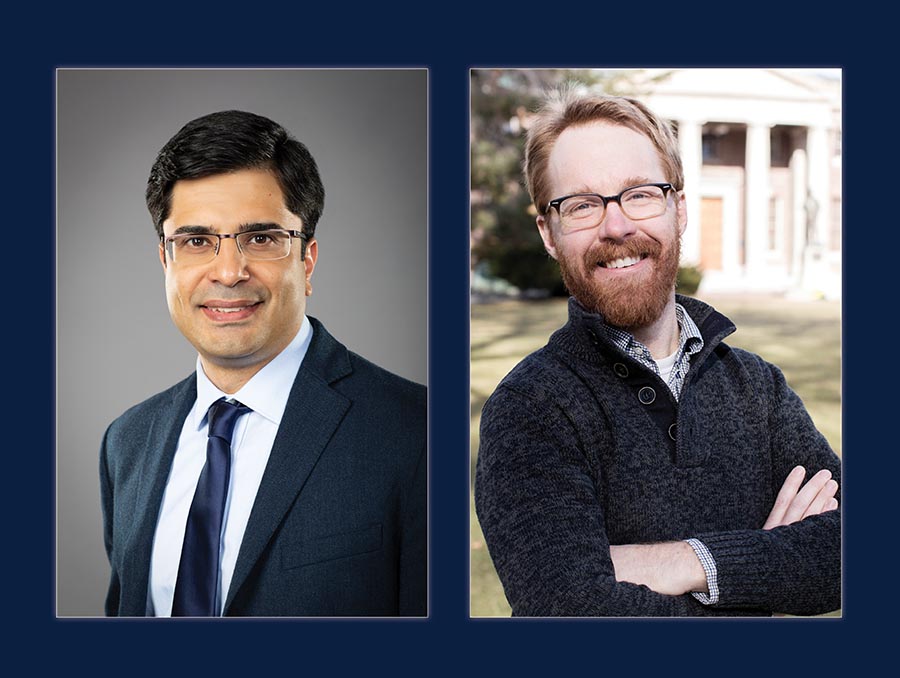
[(803, 338)]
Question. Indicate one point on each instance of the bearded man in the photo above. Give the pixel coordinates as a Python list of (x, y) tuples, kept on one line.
[(637, 465)]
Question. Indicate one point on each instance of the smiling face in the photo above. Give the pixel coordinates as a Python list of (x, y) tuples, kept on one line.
[(238, 314), (623, 269)]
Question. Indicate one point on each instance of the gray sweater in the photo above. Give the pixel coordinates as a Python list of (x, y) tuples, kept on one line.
[(582, 448)]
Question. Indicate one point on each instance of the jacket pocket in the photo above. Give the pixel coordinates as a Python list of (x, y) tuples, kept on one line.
[(331, 547)]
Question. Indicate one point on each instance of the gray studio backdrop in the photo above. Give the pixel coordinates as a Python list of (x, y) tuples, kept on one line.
[(116, 344)]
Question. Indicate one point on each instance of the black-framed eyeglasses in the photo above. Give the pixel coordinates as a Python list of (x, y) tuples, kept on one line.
[(201, 248), (586, 210)]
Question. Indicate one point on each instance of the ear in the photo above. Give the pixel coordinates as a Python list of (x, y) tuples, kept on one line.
[(546, 231), (681, 211), (162, 256), (309, 261)]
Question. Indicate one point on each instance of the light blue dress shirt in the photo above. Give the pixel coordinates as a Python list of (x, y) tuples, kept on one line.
[(266, 394)]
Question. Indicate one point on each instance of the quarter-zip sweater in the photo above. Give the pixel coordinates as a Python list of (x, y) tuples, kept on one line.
[(582, 447)]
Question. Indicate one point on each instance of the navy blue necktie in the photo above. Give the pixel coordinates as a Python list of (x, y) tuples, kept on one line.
[(198, 570)]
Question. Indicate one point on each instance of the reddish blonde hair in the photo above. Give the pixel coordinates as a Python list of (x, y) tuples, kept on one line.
[(565, 108)]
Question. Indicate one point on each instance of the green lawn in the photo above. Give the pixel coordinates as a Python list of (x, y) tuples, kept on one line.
[(802, 338)]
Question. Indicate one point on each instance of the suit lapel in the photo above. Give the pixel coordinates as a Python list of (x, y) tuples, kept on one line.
[(313, 413), (162, 439)]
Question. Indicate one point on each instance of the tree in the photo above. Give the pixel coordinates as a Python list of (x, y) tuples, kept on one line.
[(505, 240)]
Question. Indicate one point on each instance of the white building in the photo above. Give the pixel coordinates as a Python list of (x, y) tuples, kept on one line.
[(762, 161)]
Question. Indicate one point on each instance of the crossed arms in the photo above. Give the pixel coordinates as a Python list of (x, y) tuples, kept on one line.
[(673, 568), (554, 533)]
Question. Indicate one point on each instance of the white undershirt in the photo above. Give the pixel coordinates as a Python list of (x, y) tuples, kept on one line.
[(665, 366), (266, 394)]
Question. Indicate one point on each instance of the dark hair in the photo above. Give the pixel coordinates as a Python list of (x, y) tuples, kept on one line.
[(234, 140)]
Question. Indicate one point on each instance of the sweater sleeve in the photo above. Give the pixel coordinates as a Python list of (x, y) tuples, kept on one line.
[(793, 569), (538, 507)]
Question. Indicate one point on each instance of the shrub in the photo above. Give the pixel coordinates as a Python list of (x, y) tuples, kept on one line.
[(688, 280)]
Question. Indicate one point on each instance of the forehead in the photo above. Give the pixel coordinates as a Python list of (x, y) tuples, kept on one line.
[(602, 158), (222, 201)]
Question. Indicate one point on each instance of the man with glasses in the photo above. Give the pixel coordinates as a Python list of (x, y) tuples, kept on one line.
[(637, 465), (287, 476)]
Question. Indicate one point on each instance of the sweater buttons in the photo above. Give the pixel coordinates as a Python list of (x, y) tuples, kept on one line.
[(620, 370), (593, 336), (647, 395), (673, 432)]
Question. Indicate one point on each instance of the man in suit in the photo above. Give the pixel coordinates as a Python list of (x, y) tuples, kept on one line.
[(311, 501)]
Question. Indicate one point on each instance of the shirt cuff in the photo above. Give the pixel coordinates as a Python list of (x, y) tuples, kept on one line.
[(709, 567)]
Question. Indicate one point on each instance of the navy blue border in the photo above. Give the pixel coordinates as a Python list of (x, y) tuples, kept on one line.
[(455, 41)]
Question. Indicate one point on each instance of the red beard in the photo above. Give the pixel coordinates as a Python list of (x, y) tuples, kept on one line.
[(627, 301)]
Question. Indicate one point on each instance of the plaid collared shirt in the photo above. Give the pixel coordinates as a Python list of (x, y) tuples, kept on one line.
[(689, 342)]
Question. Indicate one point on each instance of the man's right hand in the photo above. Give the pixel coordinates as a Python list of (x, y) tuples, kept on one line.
[(793, 503)]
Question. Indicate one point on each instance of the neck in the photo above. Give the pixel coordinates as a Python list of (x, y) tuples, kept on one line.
[(229, 375), (661, 336), (230, 380)]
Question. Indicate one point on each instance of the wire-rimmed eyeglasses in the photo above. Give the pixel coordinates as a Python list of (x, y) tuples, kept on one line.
[(201, 248)]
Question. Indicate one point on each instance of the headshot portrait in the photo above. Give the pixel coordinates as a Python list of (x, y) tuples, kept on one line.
[(242, 342), (655, 333)]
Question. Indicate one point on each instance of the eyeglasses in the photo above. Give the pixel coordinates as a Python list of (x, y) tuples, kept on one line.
[(586, 210), (201, 248)]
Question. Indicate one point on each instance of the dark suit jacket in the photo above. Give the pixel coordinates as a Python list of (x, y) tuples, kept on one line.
[(338, 527)]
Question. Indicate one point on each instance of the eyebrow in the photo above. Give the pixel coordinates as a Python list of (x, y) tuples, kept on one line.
[(258, 226), (243, 228), (636, 181), (627, 183)]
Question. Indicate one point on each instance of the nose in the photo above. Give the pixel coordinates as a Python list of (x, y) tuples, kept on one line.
[(615, 225), (229, 267)]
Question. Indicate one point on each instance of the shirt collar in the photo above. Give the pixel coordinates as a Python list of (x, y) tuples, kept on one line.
[(688, 330), (689, 337), (267, 391)]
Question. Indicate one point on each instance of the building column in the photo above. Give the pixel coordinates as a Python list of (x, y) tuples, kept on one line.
[(756, 184), (798, 216), (690, 141)]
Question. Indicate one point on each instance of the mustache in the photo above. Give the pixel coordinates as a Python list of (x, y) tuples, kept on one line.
[(639, 246)]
